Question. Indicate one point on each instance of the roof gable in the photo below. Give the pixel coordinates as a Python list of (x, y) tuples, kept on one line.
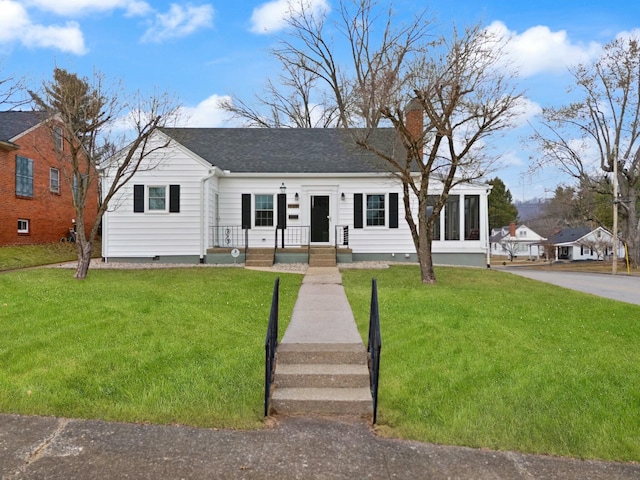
[(13, 124), (287, 150)]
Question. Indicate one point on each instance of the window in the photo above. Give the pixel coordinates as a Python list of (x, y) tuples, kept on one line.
[(472, 217), (24, 177), (264, 210), (452, 218), (375, 211), (431, 203), (23, 225), (54, 180), (58, 138), (157, 199)]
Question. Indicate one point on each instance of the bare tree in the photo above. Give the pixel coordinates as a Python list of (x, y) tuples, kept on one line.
[(604, 120), (11, 91), (455, 84), (87, 111)]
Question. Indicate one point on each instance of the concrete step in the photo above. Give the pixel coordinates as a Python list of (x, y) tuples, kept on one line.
[(322, 401), (258, 263), (322, 262), (321, 353), (322, 376)]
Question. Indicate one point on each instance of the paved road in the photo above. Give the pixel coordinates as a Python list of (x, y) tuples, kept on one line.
[(617, 287)]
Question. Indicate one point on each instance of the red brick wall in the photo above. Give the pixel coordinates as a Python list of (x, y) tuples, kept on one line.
[(50, 214)]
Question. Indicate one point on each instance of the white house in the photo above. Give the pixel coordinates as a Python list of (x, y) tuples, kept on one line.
[(516, 241), (583, 243), (218, 189)]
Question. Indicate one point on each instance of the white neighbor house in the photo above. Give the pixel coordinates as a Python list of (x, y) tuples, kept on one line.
[(215, 189), (514, 241), (583, 243)]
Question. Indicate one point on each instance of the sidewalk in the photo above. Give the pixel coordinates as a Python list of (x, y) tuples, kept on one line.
[(288, 448)]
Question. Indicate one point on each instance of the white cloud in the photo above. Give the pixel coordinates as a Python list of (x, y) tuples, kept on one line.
[(525, 111), (272, 16), (16, 26), (77, 8), (179, 22), (538, 49), (206, 114)]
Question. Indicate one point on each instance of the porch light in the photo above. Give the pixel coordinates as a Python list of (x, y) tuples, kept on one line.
[(283, 188), (297, 197), (342, 196)]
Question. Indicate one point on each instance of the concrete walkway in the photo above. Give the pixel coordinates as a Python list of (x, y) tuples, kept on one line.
[(322, 313)]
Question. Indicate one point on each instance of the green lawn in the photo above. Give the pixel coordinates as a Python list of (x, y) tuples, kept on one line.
[(488, 359), (34, 255), (162, 346), (483, 358)]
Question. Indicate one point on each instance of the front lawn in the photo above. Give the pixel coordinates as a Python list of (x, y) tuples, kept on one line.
[(163, 346), (489, 359)]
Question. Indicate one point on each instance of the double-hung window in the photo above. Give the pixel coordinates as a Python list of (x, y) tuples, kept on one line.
[(264, 210), (375, 210), (24, 177), (157, 199), (58, 138), (54, 180)]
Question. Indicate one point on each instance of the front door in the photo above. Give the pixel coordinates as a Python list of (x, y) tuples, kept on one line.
[(320, 219)]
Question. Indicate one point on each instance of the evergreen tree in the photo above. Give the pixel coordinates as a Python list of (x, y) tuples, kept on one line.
[(502, 210)]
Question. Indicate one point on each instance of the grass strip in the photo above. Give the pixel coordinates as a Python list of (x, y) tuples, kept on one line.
[(489, 359)]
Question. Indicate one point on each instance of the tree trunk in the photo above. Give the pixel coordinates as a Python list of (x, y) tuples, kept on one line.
[(85, 248), (425, 257)]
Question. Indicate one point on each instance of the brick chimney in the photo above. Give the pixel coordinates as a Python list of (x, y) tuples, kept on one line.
[(415, 118), (512, 229)]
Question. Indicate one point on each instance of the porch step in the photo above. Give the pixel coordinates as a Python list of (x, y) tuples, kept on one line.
[(259, 257), (322, 257), (308, 375), (323, 401), (321, 353)]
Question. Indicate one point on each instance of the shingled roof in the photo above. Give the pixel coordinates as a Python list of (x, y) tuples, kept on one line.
[(14, 123), (287, 150), (569, 235)]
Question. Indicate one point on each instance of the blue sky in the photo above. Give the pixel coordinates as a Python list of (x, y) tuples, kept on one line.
[(201, 51)]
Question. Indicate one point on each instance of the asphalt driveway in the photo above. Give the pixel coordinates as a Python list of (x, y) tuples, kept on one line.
[(617, 287)]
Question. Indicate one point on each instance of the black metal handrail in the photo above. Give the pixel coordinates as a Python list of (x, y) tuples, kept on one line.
[(270, 346), (299, 236), (374, 346), (230, 236), (341, 237)]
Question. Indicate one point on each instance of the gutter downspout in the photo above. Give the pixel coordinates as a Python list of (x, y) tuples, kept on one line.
[(203, 180)]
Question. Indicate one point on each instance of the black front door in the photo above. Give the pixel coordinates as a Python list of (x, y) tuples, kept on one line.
[(320, 218)]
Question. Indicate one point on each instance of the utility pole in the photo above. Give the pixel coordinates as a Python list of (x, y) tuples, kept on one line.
[(614, 266)]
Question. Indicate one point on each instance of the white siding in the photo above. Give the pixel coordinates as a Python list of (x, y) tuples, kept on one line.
[(129, 234)]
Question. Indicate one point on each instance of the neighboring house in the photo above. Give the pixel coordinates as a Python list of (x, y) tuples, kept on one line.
[(511, 241), (36, 203), (583, 243), (214, 189)]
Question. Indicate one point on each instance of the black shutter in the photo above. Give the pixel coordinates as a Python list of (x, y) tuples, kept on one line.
[(282, 210), (246, 210), (174, 198), (393, 210), (357, 210), (138, 198)]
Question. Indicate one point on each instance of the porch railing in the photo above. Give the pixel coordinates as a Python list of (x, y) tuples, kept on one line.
[(341, 237), (292, 237), (230, 236), (374, 345), (270, 346)]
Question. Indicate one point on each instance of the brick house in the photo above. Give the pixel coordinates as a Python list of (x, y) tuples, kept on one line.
[(36, 203)]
